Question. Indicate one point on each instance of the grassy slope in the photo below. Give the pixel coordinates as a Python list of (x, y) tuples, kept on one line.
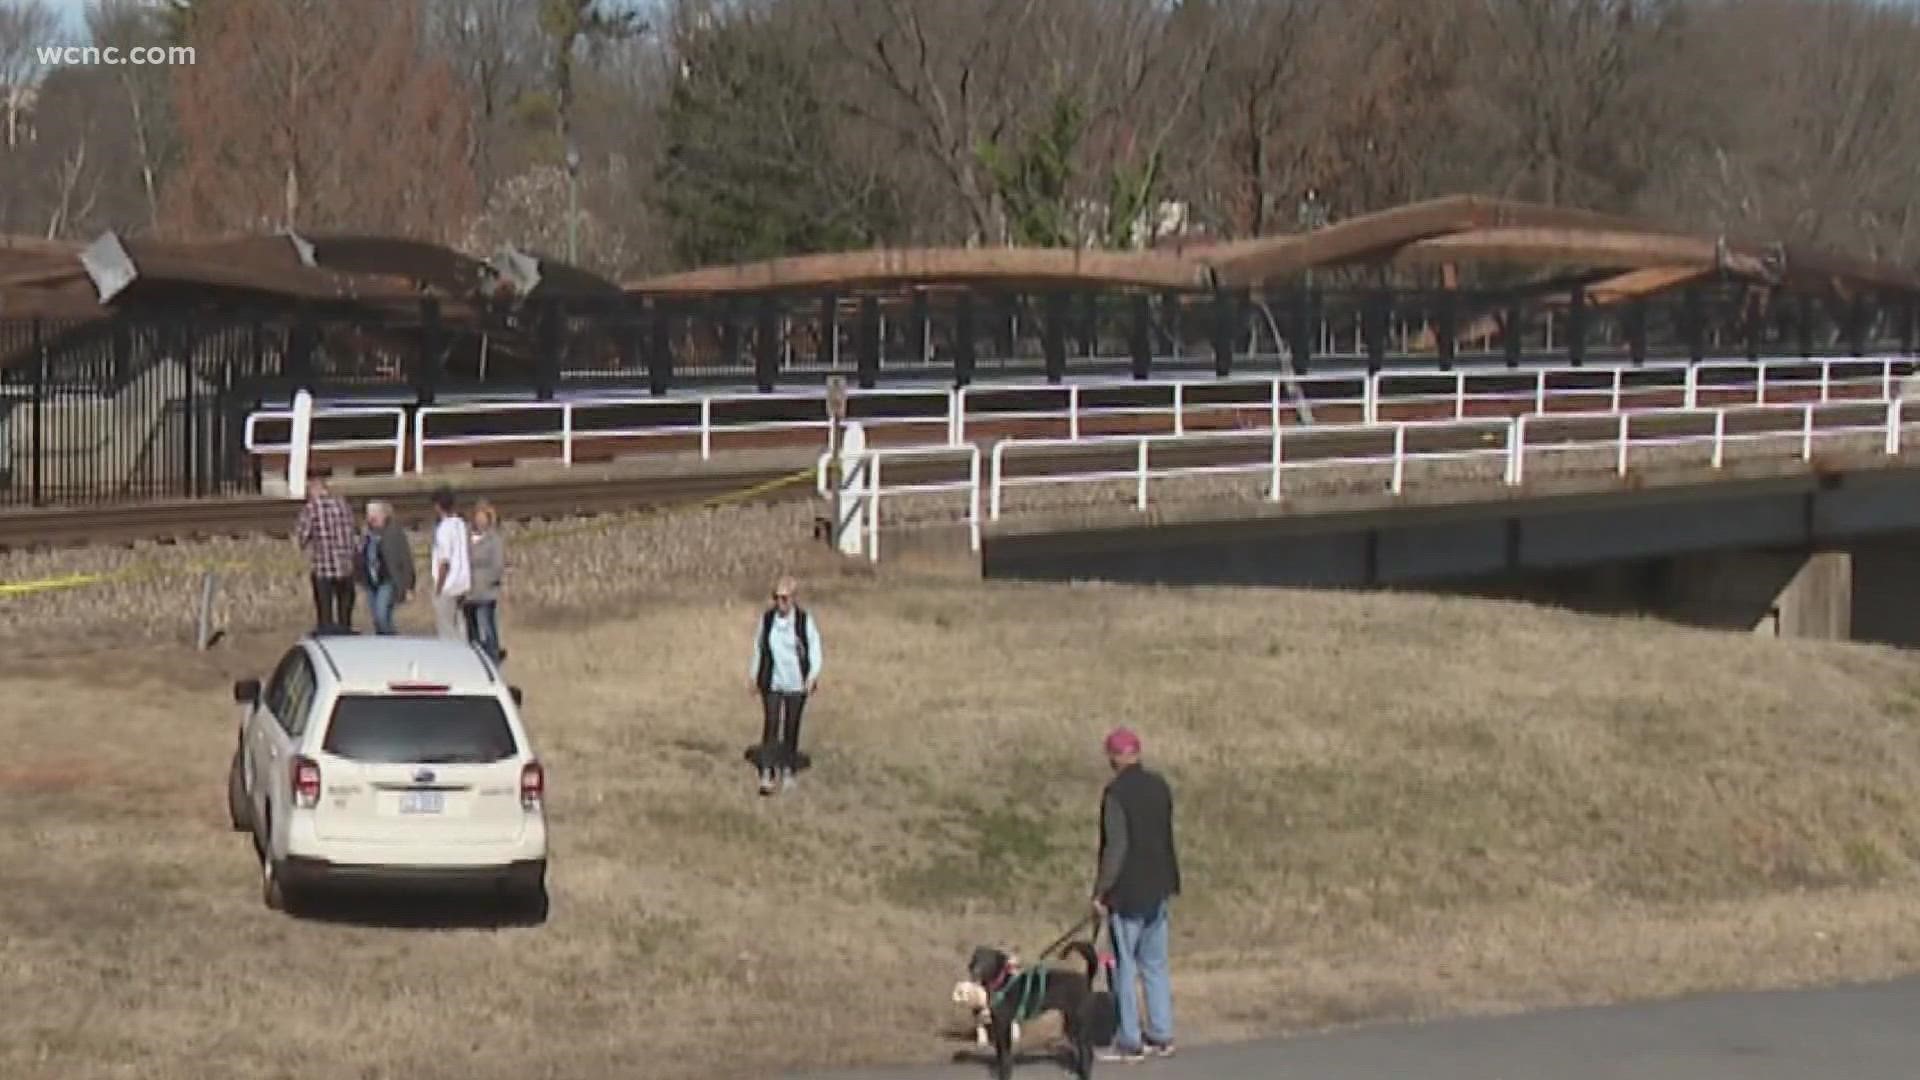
[(1389, 806)]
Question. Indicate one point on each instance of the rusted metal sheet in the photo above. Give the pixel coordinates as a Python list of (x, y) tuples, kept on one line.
[(915, 266)]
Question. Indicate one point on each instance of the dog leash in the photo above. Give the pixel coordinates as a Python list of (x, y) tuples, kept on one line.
[(1085, 921)]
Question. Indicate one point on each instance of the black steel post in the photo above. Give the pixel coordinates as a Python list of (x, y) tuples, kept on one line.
[(1170, 313), (1513, 335), (182, 349), (36, 475), (1306, 328), (963, 339), (1753, 325), (1803, 325), (1375, 314), (1053, 334), (546, 376), (1857, 318), (1577, 325), (660, 348), (1447, 328), (302, 339), (766, 344), (1140, 336), (1693, 323), (868, 353), (427, 364), (1224, 331), (1909, 316), (827, 353), (1637, 330)]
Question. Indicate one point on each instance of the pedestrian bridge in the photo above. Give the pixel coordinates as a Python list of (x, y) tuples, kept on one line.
[(1789, 511)]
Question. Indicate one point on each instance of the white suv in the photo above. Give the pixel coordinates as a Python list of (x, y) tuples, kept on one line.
[(389, 760)]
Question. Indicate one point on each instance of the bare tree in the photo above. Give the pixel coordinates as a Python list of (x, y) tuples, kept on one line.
[(320, 114), (496, 48), (126, 24)]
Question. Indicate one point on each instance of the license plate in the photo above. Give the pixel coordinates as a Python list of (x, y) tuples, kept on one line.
[(423, 802)]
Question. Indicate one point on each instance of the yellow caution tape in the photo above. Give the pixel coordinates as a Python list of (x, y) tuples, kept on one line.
[(152, 568)]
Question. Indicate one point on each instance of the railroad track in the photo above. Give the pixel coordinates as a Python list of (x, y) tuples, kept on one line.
[(73, 526)]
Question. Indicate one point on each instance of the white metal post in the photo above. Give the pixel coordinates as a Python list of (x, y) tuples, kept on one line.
[(400, 442), (1540, 391), (1617, 379), (973, 498), (960, 415), (1370, 399), (1516, 449), (1693, 386), (1399, 456), (1179, 409), (1760, 384), (1073, 412), (993, 481), (1806, 437), (1141, 497), (1273, 414), (1895, 424), (1273, 489), (566, 433), (1626, 437), (1719, 437), (300, 443), (1886, 380), (1459, 395), (706, 428), (873, 508), (1826, 380)]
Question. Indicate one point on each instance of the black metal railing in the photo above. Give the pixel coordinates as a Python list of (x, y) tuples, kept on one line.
[(145, 403)]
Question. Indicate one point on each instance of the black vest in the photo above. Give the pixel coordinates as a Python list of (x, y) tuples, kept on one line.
[(766, 646), (1151, 872)]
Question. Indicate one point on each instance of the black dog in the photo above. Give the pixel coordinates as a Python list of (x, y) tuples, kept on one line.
[(1012, 995)]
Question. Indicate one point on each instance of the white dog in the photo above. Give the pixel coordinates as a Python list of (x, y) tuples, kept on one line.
[(975, 997)]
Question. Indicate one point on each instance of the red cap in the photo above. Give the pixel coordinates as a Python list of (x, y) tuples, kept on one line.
[(1122, 741)]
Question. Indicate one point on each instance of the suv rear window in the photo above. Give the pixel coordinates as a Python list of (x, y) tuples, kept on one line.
[(419, 730)]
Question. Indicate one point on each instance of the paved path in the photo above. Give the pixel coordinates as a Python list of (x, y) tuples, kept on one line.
[(1855, 1033)]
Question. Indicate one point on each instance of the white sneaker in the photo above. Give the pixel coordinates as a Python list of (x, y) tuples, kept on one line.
[(766, 781), (786, 780)]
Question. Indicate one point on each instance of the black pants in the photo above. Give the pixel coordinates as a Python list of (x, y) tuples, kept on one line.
[(332, 602), (780, 738)]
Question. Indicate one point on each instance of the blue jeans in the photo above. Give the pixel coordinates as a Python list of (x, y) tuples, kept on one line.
[(483, 627), (380, 599), (1140, 947)]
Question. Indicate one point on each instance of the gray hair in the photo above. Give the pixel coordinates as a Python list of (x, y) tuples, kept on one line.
[(379, 508)]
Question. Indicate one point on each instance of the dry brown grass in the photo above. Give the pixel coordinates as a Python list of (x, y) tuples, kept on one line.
[(1390, 805)]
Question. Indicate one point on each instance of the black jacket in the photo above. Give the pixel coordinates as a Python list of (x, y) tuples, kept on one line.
[(1139, 867), (396, 560)]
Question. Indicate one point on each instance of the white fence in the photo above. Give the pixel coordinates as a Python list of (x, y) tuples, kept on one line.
[(1511, 437), (864, 483), (318, 441), (953, 415)]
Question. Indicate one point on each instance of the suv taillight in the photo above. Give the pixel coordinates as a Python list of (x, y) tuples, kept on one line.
[(306, 783), (533, 785)]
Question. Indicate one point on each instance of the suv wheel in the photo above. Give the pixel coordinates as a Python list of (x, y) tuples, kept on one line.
[(273, 887), (239, 811)]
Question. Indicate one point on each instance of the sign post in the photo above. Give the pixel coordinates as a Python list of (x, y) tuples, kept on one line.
[(836, 415)]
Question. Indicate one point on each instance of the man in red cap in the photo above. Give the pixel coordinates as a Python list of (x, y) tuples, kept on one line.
[(1139, 873)]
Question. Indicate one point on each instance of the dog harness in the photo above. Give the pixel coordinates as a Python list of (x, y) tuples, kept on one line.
[(1031, 985)]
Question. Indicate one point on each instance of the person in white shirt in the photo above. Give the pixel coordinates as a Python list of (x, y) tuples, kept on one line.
[(452, 568)]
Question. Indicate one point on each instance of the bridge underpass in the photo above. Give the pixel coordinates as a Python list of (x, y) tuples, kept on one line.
[(1832, 554)]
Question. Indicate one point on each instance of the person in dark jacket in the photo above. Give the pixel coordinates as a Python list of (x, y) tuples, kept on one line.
[(786, 669), (384, 564), (1139, 874)]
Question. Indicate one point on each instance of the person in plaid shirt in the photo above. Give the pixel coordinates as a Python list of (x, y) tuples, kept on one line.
[(325, 532)]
